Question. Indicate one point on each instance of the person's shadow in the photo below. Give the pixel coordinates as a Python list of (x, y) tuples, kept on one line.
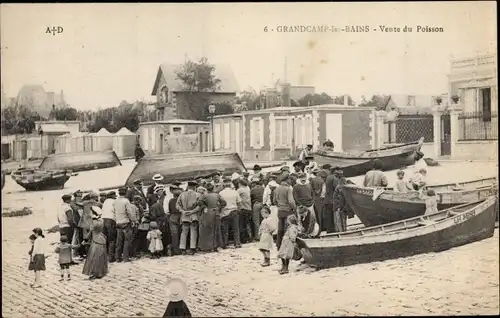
[(177, 309), (176, 292)]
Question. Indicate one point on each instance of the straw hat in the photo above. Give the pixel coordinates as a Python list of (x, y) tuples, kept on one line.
[(157, 177), (96, 212), (176, 290), (235, 176)]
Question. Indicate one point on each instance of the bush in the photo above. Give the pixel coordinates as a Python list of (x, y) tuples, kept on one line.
[(16, 213)]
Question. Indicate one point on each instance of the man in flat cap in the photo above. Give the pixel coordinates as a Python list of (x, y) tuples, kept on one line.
[(187, 204), (257, 173), (77, 207), (126, 219), (65, 217), (217, 182), (136, 189), (317, 184), (304, 155)]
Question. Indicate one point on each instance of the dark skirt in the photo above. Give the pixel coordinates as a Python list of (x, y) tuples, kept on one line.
[(96, 263), (38, 262), (206, 241)]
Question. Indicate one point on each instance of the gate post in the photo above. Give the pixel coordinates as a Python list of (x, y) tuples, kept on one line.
[(379, 128), (454, 111), (436, 115)]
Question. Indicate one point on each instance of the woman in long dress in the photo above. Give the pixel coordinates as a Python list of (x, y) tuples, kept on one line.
[(210, 231), (96, 264)]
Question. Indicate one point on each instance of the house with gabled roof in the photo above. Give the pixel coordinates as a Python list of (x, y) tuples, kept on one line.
[(171, 93)]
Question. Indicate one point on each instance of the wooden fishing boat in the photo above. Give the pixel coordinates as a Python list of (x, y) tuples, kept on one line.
[(39, 180), (356, 164), (435, 232), (81, 161), (390, 206), (182, 168)]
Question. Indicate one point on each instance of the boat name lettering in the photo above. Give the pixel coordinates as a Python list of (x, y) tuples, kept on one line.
[(464, 216), (364, 191)]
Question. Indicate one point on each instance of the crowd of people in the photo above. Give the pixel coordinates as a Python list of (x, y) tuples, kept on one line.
[(208, 215)]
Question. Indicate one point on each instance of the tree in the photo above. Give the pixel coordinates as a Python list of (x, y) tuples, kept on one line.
[(377, 101), (250, 99), (315, 99), (198, 81), (18, 120), (339, 100), (67, 113)]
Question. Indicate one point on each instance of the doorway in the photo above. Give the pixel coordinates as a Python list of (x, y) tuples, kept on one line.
[(445, 135)]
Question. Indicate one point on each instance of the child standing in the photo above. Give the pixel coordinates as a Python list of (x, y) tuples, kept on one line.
[(288, 243), (38, 255), (31, 266), (431, 202), (154, 237), (266, 230), (65, 250)]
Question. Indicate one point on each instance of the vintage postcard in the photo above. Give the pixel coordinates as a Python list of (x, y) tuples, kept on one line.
[(249, 159)]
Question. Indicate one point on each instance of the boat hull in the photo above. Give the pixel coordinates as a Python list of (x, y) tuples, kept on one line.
[(43, 185), (83, 161), (392, 206), (452, 232), (352, 165), (180, 168)]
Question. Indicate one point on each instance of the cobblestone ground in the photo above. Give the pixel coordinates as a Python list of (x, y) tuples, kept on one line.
[(460, 281)]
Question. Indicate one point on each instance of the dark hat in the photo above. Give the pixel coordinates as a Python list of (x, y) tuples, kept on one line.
[(245, 173), (326, 166), (103, 194), (137, 181), (209, 187), (192, 183), (111, 194), (176, 183), (284, 168), (336, 168), (309, 158), (77, 193), (257, 167), (122, 191), (216, 173), (227, 179), (38, 231), (298, 164), (66, 197)]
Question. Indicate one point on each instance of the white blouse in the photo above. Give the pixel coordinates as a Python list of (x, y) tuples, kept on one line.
[(39, 246)]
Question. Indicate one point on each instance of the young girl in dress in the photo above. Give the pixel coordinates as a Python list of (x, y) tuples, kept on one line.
[(155, 243), (288, 244), (38, 256), (266, 230), (431, 202), (31, 266)]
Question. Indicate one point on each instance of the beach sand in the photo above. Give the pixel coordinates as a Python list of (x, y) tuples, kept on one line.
[(463, 280)]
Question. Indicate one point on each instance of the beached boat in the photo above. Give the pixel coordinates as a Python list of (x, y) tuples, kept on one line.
[(390, 206), (185, 168), (356, 164), (435, 232), (81, 161), (39, 180)]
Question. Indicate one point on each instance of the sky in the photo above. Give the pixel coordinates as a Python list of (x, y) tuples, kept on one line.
[(111, 52)]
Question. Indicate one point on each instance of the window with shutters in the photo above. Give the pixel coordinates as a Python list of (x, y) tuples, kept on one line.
[(217, 134), (256, 133), (227, 136), (281, 132)]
